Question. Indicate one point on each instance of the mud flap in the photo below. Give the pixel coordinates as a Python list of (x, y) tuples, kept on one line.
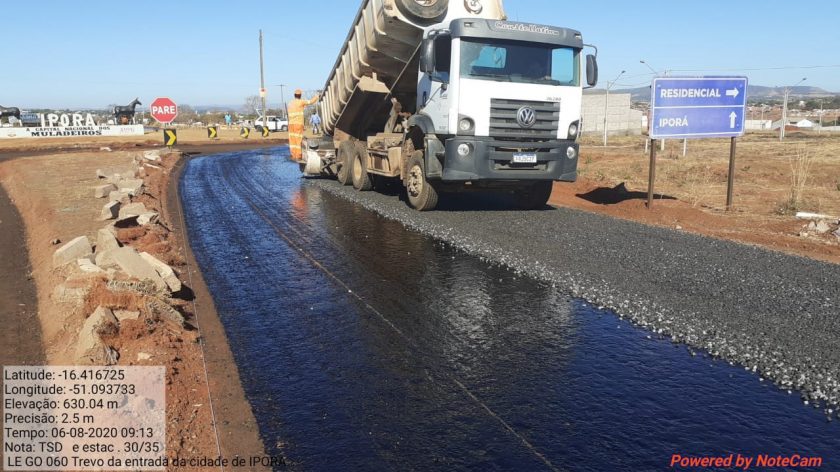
[(434, 168), (313, 163)]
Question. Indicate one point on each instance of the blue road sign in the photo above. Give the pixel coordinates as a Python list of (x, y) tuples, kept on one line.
[(698, 107)]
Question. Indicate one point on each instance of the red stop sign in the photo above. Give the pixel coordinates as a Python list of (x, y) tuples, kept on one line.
[(163, 110)]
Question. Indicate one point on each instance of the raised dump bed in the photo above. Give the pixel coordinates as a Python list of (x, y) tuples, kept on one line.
[(382, 46)]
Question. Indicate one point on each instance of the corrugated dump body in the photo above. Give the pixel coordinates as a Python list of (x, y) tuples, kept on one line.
[(381, 49)]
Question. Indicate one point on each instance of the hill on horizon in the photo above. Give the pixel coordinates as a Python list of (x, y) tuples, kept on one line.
[(642, 94)]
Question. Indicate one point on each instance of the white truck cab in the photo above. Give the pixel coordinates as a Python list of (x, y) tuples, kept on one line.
[(504, 98)]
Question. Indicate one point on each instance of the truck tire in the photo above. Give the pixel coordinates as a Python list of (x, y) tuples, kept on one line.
[(534, 196), (423, 11), (346, 151), (361, 179), (421, 195), (284, 128)]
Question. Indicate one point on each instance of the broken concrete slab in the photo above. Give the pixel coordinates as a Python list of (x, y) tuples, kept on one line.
[(75, 288), (133, 209), (164, 271), (114, 179), (822, 227), (72, 251), (123, 315), (90, 349), (87, 266), (152, 156), (105, 259), (104, 190), (165, 312), (106, 240), (117, 196), (64, 294), (136, 266), (133, 187), (148, 218), (129, 221), (100, 174), (110, 211)]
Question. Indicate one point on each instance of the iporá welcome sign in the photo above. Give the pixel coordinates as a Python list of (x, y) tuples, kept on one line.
[(76, 119)]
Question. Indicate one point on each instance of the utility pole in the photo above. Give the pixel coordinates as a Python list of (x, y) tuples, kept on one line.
[(606, 104), (283, 99), (262, 83), (785, 109), (655, 74), (821, 114)]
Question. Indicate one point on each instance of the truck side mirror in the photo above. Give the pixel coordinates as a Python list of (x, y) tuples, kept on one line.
[(591, 70), (427, 56)]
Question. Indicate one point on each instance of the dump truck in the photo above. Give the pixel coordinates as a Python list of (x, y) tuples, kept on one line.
[(449, 96)]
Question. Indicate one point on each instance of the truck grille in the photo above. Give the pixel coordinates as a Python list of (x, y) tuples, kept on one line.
[(503, 123)]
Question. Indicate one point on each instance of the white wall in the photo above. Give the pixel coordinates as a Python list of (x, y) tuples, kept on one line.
[(621, 119)]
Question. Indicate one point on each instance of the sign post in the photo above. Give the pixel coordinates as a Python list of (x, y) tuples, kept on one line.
[(170, 137), (696, 108), (651, 173)]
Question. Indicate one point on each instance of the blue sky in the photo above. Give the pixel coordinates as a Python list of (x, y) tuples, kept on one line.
[(90, 53)]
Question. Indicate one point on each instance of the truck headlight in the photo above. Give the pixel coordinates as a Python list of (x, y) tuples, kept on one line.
[(464, 150), (466, 126), (574, 129), (571, 152)]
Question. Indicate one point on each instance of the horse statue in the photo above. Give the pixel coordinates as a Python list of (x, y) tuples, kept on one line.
[(10, 111), (124, 114)]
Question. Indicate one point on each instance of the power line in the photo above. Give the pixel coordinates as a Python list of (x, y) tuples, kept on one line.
[(830, 66)]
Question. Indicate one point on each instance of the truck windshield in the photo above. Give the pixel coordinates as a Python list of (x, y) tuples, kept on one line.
[(514, 61)]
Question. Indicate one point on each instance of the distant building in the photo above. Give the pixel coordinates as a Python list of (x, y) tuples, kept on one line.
[(758, 125), (801, 123)]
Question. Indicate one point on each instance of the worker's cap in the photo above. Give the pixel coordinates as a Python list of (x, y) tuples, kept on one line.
[(298, 92)]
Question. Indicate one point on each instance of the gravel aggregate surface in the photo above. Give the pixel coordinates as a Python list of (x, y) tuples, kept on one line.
[(774, 314)]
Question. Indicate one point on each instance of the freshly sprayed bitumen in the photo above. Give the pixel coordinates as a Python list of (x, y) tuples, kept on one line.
[(774, 314), (363, 343)]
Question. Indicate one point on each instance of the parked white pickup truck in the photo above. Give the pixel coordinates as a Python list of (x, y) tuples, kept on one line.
[(274, 124)]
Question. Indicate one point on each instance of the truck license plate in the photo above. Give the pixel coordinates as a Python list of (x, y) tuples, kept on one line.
[(525, 158)]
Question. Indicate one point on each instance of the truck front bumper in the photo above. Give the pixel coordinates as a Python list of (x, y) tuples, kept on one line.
[(491, 159)]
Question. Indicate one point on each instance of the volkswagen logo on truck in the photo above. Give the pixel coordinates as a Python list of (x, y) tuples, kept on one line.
[(526, 117)]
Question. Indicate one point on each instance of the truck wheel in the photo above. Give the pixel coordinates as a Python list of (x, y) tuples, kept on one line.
[(535, 197), (284, 128), (346, 150), (423, 11), (421, 195), (361, 178)]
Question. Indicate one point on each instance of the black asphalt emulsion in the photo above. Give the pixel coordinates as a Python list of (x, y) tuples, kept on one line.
[(366, 345)]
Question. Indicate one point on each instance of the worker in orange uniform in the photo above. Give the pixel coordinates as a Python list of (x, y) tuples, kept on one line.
[(297, 124)]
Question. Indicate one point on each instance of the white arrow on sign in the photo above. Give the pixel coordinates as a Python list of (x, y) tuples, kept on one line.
[(732, 117), (733, 93)]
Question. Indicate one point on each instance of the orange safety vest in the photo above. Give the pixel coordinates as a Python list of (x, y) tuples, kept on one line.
[(297, 125)]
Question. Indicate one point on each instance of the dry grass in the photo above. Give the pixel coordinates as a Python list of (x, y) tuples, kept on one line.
[(803, 170), (800, 171)]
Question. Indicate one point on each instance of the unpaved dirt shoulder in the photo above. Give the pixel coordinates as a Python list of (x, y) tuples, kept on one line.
[(54, 195), (20, 335), (238, 430)]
